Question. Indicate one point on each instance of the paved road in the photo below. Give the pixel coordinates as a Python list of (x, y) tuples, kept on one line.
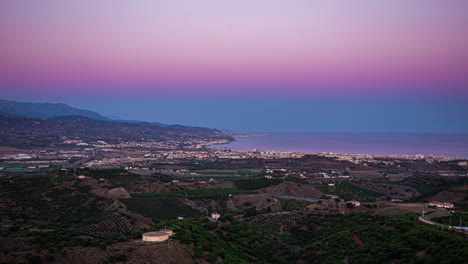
[(81, 161), (423, 219)]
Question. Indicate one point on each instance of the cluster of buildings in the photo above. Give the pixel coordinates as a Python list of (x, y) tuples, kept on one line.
[(35, 161), (385, 159), (159, 155), (441, 205), (161, 144)]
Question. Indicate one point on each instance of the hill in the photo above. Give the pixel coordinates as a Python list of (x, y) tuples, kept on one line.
[(45, 110), (292, 189), (24, 131), (62, 219)]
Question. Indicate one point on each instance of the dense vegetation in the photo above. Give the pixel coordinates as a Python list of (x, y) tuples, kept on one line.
[(353, 238), (235, 242), (117, 177), (377, 239), (455, 219), (46, 201), (349, 191), (52, 241), (50, 213), (45, 212), (160, 208), (430, 185), (256, 183)]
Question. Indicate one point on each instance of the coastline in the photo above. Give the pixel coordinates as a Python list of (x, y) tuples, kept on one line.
[(448, 144), (250, 135)]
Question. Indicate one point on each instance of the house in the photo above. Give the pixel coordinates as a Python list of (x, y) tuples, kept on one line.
[(441, 205), (214, 217), (355, 203)]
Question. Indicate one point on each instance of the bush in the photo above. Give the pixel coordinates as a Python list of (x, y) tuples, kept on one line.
[(123, 239), (229, 217), (33, 259), (118, 258), (211, 225)]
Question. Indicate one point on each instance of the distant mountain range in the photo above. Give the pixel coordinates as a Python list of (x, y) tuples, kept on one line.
[(31, 124), (45, 110)]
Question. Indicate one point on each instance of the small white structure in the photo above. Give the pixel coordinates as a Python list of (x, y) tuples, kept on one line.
[(214, 217), (158, 236), (355, 203)]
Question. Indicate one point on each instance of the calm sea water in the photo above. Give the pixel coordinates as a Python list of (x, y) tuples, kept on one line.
[(450, 144)]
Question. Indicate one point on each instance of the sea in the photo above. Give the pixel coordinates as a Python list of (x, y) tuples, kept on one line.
[(448, 144)]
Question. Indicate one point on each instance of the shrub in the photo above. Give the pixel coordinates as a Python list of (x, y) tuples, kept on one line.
[(118, 258), (229, 217), (33, 259), (211, 225)]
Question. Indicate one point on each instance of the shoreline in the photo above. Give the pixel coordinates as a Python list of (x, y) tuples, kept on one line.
[(374, 144), (250, 135)]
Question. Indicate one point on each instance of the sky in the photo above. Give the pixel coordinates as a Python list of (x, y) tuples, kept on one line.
[(245, 64)]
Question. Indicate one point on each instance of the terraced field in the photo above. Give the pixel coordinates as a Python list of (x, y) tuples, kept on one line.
[(160, 208), (275, 223), (109, 224)]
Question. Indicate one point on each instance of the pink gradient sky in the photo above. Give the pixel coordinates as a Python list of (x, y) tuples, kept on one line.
[(234, 47)]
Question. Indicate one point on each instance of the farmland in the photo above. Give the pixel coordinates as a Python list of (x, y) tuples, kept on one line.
[(256, 183), (275, 223), (159, 208), (350, 191)]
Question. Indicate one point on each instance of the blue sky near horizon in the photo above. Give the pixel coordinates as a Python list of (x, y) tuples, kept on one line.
[(281, 114)]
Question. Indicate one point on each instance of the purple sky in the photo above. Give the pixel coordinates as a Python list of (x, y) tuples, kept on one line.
[(112, 50)]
